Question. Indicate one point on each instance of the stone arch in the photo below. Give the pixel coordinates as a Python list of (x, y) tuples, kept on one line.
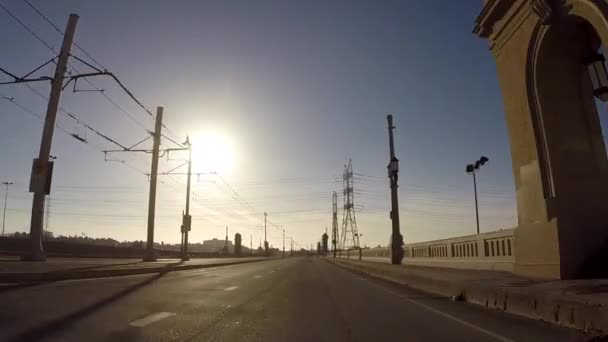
[(558, 152), (570, 147)]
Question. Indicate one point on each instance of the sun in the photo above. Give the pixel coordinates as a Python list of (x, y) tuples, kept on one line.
[(212, 151)]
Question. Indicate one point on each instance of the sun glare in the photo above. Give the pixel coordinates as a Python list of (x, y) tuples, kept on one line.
[(212, 151)]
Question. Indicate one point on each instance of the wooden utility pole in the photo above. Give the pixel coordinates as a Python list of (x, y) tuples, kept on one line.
[(40, 181), (150, 255), (393, 175)]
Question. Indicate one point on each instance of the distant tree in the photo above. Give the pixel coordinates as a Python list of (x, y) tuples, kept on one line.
[(324, 247)]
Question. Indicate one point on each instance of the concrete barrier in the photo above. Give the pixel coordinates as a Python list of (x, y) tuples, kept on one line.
[(493, 251)]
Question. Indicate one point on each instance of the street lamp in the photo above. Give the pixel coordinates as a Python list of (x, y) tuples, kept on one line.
[(7, 184), (598, 75), (472, 169), (359, 235)]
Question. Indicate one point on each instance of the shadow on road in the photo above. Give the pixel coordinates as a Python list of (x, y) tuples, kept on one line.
[(13, 287), (61, 323), (86, 268)]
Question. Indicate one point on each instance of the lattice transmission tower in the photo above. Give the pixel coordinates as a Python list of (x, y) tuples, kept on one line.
[(350, 235)]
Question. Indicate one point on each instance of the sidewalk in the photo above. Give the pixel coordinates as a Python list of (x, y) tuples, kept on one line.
[(580, 304), (12, 270)]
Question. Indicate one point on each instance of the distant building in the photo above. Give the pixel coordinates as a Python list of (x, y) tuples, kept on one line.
[(215, 246)]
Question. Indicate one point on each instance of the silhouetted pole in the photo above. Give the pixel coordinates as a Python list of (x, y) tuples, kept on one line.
[(393, 175), (283, 243), (187, 219), (41, 171), (265, 241), (7, 184), (476, 205), (150, 255), (473, 168)]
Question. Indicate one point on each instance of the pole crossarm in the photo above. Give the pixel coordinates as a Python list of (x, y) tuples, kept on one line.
[(24, 79)]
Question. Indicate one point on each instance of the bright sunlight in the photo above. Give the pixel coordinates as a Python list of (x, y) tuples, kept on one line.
[(212, 151)]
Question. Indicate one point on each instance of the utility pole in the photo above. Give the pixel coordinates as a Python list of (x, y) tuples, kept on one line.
[(7, 184), (226, 242), (48, 216), (283, 243), (251, 244), (40, 181), (334, 222), (150, 255), (187, 219), (265, 241), (393, 175), (291, 238)]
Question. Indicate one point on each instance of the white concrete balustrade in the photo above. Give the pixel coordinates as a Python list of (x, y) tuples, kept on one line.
[(487, 251)]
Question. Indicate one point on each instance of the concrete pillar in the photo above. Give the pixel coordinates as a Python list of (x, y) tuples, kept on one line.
[(558, 153)]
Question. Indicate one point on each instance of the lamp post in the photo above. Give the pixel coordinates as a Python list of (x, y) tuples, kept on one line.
[(598, 75), (360, 253), (472, 169), (7, 184)]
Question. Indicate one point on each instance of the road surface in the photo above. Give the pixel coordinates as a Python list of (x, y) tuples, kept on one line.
[(298, 299)]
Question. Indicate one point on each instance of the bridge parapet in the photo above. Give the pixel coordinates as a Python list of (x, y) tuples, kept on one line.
[(487, 251)]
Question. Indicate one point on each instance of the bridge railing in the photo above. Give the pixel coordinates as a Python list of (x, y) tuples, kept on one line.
[(487, 251)]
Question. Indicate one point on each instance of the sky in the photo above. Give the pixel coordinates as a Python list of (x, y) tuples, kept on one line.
[(276, 96)]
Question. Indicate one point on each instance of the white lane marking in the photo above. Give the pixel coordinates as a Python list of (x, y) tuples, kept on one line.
[(272, 271), (231, 288), (257, 276), (142, 322), (446, 315)]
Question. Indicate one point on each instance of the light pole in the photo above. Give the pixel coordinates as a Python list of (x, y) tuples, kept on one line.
[(360, 253), (7, 184), (265, 241), (472, 169), (393, 175)]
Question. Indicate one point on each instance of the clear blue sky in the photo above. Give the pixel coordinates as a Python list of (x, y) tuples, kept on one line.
[(292, 89)]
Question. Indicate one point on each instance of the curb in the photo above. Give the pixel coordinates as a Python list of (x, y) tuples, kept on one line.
[(13, 278), (553, 308)]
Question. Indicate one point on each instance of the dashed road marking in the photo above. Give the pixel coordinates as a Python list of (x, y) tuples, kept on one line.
[(257, 276), (231, 288), (142, 322)]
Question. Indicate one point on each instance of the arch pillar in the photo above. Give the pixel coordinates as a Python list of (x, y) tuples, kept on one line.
[(558, 154)]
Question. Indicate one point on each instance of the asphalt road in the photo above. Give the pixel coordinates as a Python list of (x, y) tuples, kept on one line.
[(299, 299)]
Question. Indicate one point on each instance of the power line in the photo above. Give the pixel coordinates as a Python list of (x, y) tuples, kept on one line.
[(27, 28), (31, 112), (78, 120), (61, 32), (116, 79)]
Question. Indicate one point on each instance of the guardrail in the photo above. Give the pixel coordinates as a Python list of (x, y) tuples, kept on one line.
[(487, 251)]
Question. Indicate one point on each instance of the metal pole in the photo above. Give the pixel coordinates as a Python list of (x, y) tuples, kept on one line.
[(41, 172), (150, 255), (283, 243), (393, 173), (188, 220), (476, 206), (5, 201), (265, 241)]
